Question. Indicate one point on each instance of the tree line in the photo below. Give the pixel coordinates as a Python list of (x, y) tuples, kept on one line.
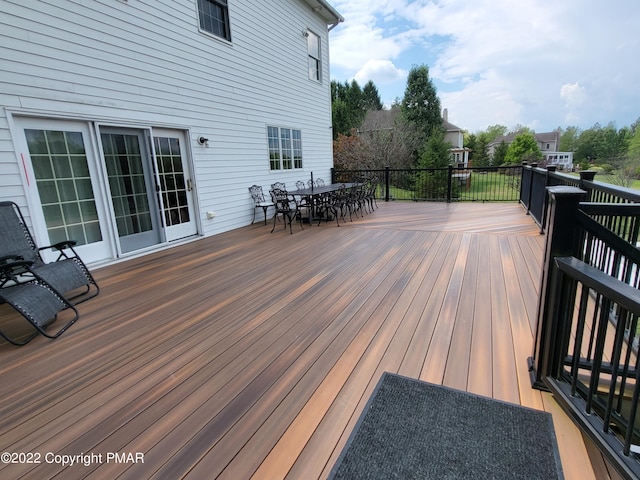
[(411, 134)]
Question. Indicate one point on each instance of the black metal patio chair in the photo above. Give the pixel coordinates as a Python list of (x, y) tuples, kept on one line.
[(33, 298), (287, 206), (259, 201), (332, 204), (304, 202), (68, 275), (370, 193)]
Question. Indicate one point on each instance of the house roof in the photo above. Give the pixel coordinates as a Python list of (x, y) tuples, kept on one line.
[(385, 119), (450, 127), (540, 137), (326, 11), (376, 120)]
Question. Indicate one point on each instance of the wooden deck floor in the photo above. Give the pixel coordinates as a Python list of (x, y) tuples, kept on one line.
[(251, 355)]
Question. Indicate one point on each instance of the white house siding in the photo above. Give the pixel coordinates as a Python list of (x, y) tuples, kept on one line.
[(145, 63)]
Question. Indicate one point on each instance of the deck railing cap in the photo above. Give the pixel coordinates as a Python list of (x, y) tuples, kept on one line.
[(565, 190)]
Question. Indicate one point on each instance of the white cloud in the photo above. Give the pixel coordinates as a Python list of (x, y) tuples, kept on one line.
[(541, 64), (355, 45), (482, 103), (573, 94), (380, 72)]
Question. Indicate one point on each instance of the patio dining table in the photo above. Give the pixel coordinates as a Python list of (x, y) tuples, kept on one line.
[(319, 191), (314, 194)]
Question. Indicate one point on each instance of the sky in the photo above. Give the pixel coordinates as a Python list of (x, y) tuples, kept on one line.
[(542, 64)]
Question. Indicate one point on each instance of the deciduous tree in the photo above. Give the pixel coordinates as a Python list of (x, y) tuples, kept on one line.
[(524, 148)]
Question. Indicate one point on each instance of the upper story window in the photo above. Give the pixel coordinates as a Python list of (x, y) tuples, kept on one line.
[(313, 50), (285, 148), (214, 17)]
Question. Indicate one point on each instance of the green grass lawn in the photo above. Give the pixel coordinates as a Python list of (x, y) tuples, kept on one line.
[(635, 184), (489, 187), (486, 187), (605, 178)]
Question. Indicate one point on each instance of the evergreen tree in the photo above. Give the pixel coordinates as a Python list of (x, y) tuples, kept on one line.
[(500, 154), (420, 104), (481, 153), (355, 102), (436, 152), (349, 104), (371, 97), (470, 142), (341, 121)]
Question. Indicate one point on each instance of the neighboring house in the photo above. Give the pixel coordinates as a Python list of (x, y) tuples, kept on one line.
[(130, 124), (379, 120), (455, 136), (547, 142)]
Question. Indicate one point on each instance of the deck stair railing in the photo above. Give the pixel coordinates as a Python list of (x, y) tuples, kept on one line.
[(586, 345)]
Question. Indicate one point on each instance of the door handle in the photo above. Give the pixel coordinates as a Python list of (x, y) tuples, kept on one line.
[(189, 185)]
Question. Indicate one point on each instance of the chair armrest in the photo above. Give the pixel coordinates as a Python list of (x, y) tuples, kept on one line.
[(62, 248), (16, 267), (9, 259), (60, 245)]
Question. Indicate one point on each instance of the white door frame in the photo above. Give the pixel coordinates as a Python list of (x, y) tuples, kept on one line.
[(108, 248), (91, 253), (179, 229)]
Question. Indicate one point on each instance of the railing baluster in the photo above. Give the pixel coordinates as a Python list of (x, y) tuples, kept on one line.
[(580, 326), (603, 322), (615, 365)]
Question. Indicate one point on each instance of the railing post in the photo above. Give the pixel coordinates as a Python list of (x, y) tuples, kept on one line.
[(532, 167), (333, 175), (587, 176), (548, 183), (561, 233), (386, 184), (522, 187), (449, 180)]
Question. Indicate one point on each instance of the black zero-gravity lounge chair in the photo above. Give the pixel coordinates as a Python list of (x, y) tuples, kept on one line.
[(33, 298), (39, 291), (68, 275)]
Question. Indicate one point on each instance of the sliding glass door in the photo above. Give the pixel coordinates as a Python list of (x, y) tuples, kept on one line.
[(114, 190), (132, 186)]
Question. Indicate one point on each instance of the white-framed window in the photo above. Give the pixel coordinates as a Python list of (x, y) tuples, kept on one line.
[(213, 16), (314, 52), (285, 148)]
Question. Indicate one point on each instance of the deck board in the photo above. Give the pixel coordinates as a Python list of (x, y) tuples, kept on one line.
[(251, 355)]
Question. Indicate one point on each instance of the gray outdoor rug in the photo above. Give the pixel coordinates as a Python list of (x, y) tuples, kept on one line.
[(415, 430)]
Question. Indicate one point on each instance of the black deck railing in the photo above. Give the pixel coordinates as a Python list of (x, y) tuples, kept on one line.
[(535, 181), (451, 184), (586, 347)]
